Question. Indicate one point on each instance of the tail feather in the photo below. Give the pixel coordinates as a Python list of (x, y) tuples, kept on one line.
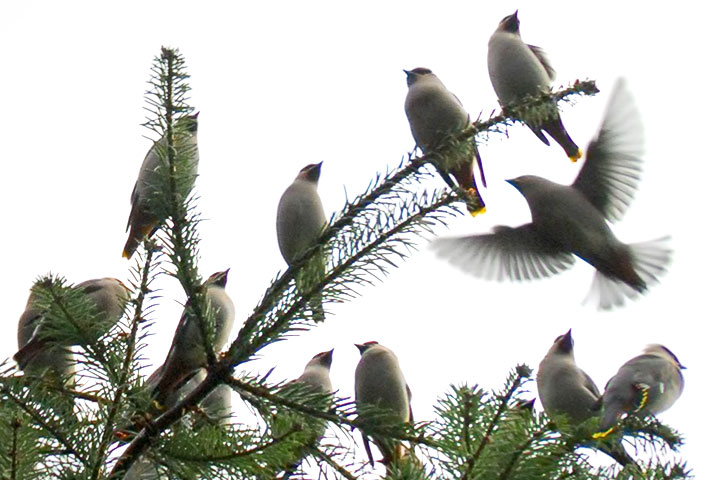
[(466, 180), (538, 133), (556, 130), (649, 259), (28, 352), (619, 454)]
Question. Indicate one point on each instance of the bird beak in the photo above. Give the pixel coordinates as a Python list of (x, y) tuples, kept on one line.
[(196, 114), (567, 341), (515, 14), (513, 182)]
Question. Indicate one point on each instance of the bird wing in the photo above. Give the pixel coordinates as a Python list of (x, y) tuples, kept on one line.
[(544, 60), (409, 395), (517, 253), (590, 385), (613, 164)]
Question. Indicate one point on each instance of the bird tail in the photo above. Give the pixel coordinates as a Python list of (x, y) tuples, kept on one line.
[(466, 180), (29, 351), (539, 134), (555, 128), (137, 234), (648, 261), (618, 453)]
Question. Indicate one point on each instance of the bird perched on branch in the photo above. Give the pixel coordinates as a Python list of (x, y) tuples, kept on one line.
[(188, 352), (645, 385), (299, 223), (434, 114), (38, 349), (142, 221), (316, 379), (519, 72), (571, 220), (566, 390), (380, 383)]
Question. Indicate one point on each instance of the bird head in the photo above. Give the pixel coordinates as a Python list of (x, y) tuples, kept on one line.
[(662, 351), (323, 358), (417, 73), (311, 172), (364, 346), (510, 24), (218, 278)]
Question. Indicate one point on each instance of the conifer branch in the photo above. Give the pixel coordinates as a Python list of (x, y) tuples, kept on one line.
[(53, 430), (123, 383)]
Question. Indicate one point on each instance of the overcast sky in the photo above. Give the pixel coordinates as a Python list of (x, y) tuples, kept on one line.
[(283, 84)]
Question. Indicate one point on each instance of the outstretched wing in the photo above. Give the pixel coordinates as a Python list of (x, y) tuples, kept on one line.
[(613, 164), (515, 253)]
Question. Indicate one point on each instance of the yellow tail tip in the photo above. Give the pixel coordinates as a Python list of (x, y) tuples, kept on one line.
[(578, 156), (127, 254), (603, 434), (478, 211)]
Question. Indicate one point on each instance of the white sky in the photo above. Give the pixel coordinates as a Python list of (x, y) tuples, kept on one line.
[(283, 84)]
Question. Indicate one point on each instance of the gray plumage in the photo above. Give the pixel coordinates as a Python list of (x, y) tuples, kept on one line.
[(518, 71), (571, 220), (142, 222), (187, 352), (107, 298), (299, 223), (316, 379), (317, 373), (647, 384), (56, 359), (380, 383), (434, 113), (565, 389)]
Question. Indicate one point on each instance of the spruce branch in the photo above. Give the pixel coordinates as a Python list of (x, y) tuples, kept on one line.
[(54, 429), (116, 404)]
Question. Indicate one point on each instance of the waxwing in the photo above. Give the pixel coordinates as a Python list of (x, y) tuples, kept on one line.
[(315, 377), (434, 113), (572, 220), (565, 389), (518, 70), (380, 383), (646, 385), (52, 358), (187, 352), (107, 298), (317, 372), (300, 222), (142, 222)]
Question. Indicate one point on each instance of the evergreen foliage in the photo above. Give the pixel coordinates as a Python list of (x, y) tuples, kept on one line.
[(74, 428)]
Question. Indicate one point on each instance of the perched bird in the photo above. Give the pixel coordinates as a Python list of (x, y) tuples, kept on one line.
[(380, 383), (571, 220), (316, 375), (567, 390), (435, 113), (517, 71), (647, 385), (142, 222), (41, 357), (187, 352), (299, 223), (316, 379), (106, 297)]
